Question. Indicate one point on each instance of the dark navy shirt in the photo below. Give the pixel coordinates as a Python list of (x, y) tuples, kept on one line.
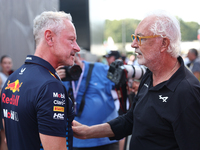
[(164, 117), (35, 101)]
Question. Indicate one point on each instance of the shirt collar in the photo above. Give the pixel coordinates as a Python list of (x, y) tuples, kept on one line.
[(31, 59), (176, 78)]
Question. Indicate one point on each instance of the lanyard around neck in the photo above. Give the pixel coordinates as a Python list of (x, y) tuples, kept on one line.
[(75, 90)]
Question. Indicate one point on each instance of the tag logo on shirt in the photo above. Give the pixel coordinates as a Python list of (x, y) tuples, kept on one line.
[(14, 86), (22, 71), (163, 98), (58, 108), (28, 58), (146, 85)]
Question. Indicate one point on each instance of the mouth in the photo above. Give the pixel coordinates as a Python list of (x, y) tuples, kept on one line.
[(73, 56), (138, 53)]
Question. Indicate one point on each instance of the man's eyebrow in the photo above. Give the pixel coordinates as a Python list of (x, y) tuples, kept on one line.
[(72, 37), (140, 34)]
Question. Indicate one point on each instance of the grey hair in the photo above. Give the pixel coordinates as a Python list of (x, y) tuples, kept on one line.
[(53, 21), (168, 26)]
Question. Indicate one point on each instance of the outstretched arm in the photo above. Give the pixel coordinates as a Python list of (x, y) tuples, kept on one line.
[(96, 131)]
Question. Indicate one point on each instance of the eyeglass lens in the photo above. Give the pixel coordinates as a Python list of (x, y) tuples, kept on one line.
[(133, 36), (136, 37)]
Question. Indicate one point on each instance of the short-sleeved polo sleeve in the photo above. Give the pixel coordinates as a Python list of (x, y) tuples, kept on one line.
[(51, 110)]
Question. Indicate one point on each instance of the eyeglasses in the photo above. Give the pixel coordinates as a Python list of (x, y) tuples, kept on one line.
[(139, 38)]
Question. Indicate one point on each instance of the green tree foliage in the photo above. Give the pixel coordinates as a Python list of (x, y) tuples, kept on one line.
[(189, 30), (114, 29)]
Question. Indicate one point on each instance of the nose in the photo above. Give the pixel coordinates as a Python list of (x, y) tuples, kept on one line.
[(76, 47), (134, 44)]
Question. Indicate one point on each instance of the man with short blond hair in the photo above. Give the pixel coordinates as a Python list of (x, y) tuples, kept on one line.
[(36, 108)]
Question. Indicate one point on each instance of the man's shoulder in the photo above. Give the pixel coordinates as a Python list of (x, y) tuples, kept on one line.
[(34, 75), (2, 75), (189, 82), (196, 66), (196, 61)]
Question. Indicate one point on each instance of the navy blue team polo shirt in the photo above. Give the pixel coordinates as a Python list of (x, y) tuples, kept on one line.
[(35, 101), (165, 116)]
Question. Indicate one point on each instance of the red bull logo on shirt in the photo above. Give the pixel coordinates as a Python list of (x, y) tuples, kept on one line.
[(14, 86)]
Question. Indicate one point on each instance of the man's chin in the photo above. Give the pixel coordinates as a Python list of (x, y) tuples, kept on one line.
[(72, 63), (68, 63), (140, 61)]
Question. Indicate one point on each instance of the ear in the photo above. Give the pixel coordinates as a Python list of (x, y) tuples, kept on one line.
[(48, 35), (165, 44)]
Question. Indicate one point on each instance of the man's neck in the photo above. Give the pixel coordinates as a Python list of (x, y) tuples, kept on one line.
[(42, 52), (165, 72)]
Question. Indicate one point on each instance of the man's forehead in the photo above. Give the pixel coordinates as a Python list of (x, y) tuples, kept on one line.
[(70, 29), (144, 25)]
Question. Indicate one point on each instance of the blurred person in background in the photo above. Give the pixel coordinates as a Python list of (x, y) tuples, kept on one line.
[(112, 56), (6, 70), (194, 62), (132, 60), (93, 101), (123, 97), (134, 84), (3, 145)]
